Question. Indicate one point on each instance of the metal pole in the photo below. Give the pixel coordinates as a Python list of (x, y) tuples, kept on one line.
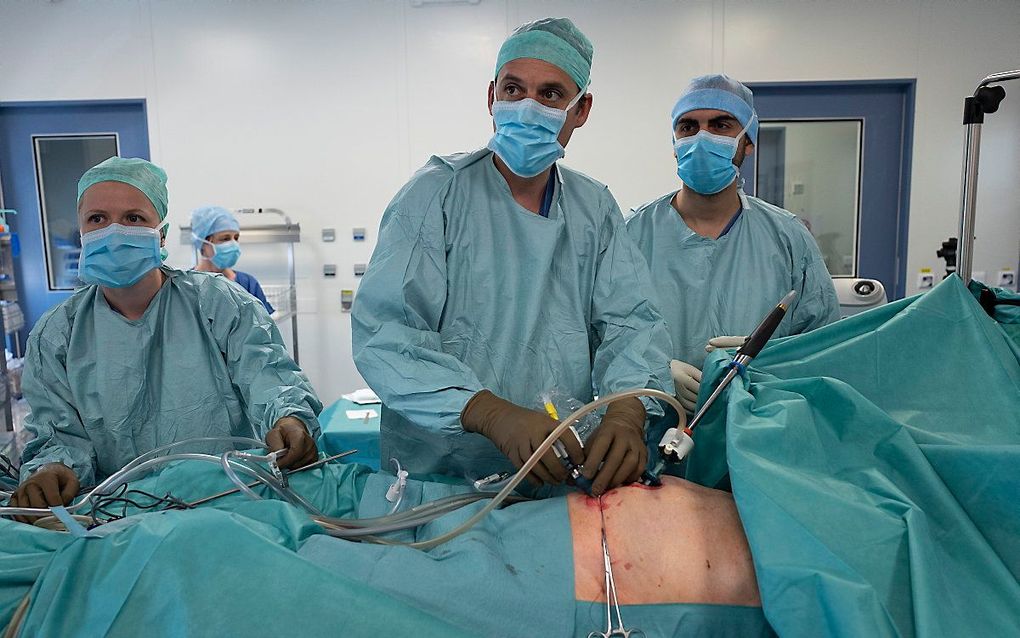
[(974, 111), (293, 301), (968, 201)]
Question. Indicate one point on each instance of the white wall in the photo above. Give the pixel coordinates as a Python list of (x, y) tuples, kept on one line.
[(325, 108)]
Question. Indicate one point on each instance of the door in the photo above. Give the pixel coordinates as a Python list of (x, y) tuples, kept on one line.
[(44, 149), (837, 154)]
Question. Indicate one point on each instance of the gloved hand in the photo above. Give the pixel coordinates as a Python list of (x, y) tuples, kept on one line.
[(616, 452), (518, 432), (52, 484), (290, 432), (686, 382), (724, 343)]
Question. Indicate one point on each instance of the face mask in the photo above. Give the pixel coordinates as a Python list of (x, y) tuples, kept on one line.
[(527, 133), (705, 161), (226, 254), (118, 256)]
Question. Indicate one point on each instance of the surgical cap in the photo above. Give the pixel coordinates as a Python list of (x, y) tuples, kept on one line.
[(143, 175), (721, 93), (553, 40), (209, 220)]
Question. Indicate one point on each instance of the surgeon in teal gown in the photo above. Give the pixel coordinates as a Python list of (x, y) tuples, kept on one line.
[(500, 275), (721, 259), (146, 355)]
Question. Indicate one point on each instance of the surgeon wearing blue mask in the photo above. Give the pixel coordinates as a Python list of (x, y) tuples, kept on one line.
[(215, 233), (144, 355), (721, 259), (501, 274)]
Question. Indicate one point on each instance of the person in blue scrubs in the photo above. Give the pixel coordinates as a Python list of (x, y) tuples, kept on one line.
[(721, 259), (501, 275), (215, 233), (144, 355)]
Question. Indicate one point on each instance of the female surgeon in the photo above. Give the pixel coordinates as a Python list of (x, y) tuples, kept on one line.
[(215, 232), (144, 355)]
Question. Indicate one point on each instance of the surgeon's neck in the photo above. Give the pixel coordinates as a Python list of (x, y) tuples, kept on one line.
[(204, 265), (527, 191), (707, 215), (133, 301)]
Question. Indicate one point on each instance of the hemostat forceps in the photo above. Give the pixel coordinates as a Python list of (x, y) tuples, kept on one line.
[(612, 600)]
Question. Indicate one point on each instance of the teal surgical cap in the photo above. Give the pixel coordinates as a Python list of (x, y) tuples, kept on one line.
[(143, 175), (209, 220), (721, 93), (553, 40)]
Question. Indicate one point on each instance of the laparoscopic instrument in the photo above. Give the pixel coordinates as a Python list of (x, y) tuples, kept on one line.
[(677, 442), (560, 450)]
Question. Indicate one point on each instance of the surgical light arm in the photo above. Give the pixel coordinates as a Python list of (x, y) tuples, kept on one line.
[(677, 443)]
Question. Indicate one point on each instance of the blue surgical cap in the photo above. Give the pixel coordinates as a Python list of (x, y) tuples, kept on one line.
[(553, 40), (143, 175), (721, 93), (209, 220)]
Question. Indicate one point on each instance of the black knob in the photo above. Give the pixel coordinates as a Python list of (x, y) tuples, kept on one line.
[(864, 288)]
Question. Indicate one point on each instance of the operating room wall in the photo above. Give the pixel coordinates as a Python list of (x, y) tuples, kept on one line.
[(324, 109)]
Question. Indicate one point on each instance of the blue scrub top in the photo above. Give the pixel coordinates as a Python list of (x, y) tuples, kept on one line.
[(249, 283)]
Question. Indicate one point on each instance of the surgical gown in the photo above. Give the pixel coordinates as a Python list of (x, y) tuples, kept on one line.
[(204, 360), (468, 290), (712, 287)]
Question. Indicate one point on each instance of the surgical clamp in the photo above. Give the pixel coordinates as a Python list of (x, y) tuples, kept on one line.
[(612, 600)]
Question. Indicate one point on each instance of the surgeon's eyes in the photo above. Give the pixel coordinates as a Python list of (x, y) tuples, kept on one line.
[(511, 90), (551, 95), (136, 219), (95, 218)]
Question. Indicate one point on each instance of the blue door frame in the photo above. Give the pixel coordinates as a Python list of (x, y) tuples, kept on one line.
[(19, 123), (887, 109)]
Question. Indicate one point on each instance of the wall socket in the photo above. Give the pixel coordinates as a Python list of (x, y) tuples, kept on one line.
[(1006, 279), (925, 279)]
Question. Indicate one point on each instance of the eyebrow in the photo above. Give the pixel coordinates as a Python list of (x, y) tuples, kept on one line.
[(558, 86), (133, 211), (715, 120)]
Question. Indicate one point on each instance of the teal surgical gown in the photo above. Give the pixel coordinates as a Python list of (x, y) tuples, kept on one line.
[(707, 288), (204, 360), (468, 290)]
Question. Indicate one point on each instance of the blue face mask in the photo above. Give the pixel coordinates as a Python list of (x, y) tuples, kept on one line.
[(527, 133), (226, 254), (118, 256), (705, 161)]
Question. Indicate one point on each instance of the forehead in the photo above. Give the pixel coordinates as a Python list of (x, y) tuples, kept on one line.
[(113, 197), (535, 72), (705, 115)]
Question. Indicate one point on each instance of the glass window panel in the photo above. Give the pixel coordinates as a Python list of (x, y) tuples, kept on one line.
[(60, 160), (812, 169)]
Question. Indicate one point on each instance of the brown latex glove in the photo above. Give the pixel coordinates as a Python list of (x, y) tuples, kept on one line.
[(518, 432), (290, 432), (52, 484), (618, 446)]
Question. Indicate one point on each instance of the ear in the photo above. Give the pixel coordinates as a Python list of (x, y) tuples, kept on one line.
[(748, 147), (582, 110), (492, 95)]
